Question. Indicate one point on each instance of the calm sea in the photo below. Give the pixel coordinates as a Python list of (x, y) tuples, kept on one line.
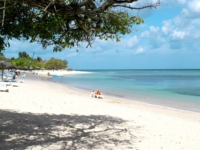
[(173, 88)]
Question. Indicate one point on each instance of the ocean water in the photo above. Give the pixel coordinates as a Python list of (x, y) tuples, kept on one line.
[(173, 88)]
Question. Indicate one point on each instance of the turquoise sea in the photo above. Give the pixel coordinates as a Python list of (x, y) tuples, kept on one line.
[(173, 88)]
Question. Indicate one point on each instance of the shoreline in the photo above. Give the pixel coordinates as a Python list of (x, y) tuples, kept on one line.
[(127, 101), (49, 115), (122, 99), (58, 72), (140, 99), (150, 98), (111, 97)]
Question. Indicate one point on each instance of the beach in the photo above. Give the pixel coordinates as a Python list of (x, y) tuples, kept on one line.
[(41, 114)]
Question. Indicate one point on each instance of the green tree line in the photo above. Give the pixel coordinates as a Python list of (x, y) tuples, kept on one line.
[(24, 61)]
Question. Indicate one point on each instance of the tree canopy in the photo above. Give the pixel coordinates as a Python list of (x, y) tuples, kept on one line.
[(66, 23), (24, 61), (23, 54), (55, 64)]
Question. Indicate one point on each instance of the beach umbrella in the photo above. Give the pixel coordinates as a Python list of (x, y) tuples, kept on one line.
[(11, 67), (4, 65)]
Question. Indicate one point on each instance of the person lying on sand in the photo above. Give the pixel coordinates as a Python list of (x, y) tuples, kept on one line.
[(96, 94)]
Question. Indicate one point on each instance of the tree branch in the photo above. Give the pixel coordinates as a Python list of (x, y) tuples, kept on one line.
[(48, 5), (3, 14)]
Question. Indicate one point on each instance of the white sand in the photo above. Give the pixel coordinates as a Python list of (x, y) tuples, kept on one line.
[(58, 72), (49, 116)]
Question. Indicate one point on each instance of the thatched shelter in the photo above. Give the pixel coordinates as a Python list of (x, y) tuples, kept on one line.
[(5, 65)]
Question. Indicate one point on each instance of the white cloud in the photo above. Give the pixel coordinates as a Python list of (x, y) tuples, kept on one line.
[(178, 35), (182, 30), (154, 37), (141, 3), (131, 42), (98, 46), (181, 1), (72, 54), (151, 33), (167, 27), (17, 45), (111, 46), (196, 21), (139, 50), (194, 6), (154, 29)]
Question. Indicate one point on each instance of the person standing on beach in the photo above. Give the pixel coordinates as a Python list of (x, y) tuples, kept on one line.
[(14, 76)]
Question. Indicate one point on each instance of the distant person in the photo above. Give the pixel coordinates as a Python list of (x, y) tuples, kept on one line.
[(98, 92), (14, 77)]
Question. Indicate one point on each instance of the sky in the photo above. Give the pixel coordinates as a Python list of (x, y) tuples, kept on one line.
[(169, 38)]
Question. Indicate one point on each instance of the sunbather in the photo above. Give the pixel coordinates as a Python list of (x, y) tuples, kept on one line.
[(97, 92)]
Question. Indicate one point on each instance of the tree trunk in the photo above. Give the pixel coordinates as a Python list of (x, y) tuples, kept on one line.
[(2, 74)]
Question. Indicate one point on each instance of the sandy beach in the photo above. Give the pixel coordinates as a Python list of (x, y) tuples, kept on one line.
[(44, 115), (57, 72)]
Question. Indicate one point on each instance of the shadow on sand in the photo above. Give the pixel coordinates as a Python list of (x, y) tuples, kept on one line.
[(45, 131)]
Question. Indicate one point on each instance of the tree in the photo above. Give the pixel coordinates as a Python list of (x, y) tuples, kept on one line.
[(66, 23), (21, 62), (24, 61), (55, 64), (65, 62), (39, 59), (23, 55)]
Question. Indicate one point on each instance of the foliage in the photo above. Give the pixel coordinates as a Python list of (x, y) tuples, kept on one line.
[(66, 23), (21, 63), (55, 64), (39, 59), (38, 63), (65, 62), (23, 55)]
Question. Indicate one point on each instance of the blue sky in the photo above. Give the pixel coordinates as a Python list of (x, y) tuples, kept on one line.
[(168, 39)]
